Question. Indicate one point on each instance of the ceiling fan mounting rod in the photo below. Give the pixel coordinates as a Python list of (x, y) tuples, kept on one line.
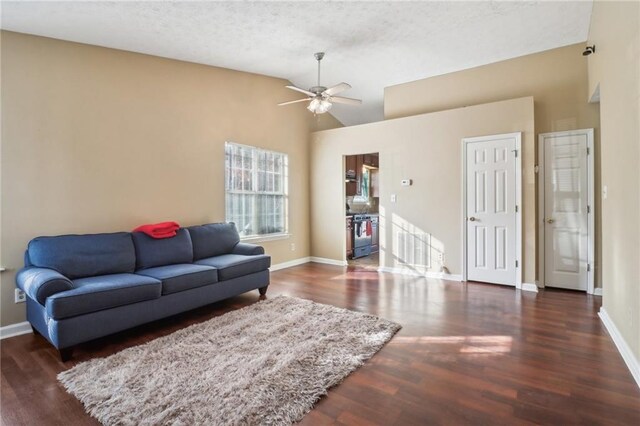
[(319, 56)]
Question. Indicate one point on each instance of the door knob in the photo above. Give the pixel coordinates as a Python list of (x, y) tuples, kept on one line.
[(550, 220), (472, 219)]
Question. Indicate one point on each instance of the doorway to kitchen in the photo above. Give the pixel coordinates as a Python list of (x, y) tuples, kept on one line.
[(361, 181)]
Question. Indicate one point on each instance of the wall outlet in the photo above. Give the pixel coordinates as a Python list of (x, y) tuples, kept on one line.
[(20, 297), (441, 258), (293, 246)]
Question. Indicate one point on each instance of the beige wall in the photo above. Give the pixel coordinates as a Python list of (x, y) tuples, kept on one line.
[(101, 140), (557, 80), (427, 149), (615, 69)]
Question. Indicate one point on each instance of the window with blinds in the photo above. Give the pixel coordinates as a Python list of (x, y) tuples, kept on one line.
[(256, 186)]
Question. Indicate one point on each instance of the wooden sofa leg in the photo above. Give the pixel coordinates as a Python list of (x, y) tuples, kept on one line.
[(263, 290), (65, 354)]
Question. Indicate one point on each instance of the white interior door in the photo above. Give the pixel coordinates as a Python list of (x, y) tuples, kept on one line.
[(566, 210), (491, 212)]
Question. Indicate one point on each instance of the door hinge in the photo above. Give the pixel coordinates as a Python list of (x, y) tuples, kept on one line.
[(516, 209), (536, 169), (588, 209), (588, 151), (515, 151), (588, 267), (516, 263)]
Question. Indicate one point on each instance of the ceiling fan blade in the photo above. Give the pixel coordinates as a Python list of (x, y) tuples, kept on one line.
[(338, 88), (297, 89), (293, 102), (347, 101)]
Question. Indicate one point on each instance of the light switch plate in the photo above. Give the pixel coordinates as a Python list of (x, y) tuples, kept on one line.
[(394, 198)]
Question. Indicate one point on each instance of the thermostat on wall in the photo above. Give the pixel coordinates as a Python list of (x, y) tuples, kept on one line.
[(405, 182)]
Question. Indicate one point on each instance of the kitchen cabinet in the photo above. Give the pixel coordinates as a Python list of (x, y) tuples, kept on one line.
[(354, 173), (351, 188), (351, 175), (350, 165), (349, 237), (370, 160)]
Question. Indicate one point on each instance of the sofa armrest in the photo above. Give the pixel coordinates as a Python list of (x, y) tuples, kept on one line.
[(247, 249), (40, 283)]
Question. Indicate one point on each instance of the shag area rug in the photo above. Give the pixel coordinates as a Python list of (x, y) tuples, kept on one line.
[(267, 363)]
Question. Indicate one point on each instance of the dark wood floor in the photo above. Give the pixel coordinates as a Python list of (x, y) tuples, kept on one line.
[(467, 354)]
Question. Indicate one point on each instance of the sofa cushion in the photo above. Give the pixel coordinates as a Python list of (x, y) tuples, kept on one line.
[(77, 256), (213, 239), (151, 252), (236, 265), (182, 277), (102, 292)]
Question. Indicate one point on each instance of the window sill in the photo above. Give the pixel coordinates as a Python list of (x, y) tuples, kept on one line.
[(263, 238)]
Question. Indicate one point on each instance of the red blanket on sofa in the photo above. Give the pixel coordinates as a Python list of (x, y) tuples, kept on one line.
[(159, 230)]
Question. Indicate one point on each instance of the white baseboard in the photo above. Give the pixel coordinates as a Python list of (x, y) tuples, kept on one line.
[(307, 259), (621, 344), (597, 291), (15, 330), (328, 261), (428, 274), (529, 287), (290, 263)]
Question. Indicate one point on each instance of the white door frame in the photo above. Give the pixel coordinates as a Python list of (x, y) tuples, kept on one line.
[(518, 254), (590, 202)]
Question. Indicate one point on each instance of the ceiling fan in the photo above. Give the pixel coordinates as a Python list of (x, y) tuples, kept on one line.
[(320, 98)]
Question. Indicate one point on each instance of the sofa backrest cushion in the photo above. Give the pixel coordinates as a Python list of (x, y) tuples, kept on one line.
[(77, 256), (152, 252), (213, 239)]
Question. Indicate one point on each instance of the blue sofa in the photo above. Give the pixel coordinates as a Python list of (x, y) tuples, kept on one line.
[(81, 287)]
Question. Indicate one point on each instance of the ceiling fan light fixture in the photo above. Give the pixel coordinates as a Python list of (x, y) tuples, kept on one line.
[(321, 98), (319, 106)]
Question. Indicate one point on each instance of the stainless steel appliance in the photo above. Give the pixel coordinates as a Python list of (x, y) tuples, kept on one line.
[(362, 235)]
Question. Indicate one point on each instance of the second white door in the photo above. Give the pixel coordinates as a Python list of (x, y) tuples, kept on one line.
[(566, 209), (491, 208)]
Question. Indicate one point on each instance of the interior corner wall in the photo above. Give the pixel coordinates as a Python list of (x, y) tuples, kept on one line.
[(426, 148), (614, 70), (557, 79), (102, 140)]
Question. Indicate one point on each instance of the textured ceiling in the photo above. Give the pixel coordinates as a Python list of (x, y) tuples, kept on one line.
[(370, 45)]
